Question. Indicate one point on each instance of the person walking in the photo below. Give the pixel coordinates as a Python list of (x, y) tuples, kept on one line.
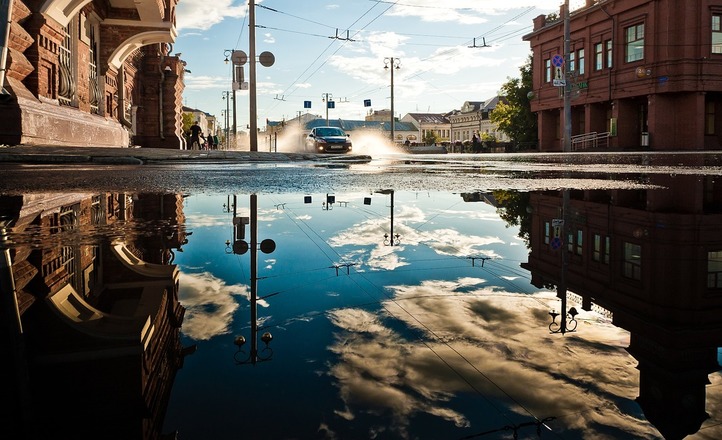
[(195, 137)]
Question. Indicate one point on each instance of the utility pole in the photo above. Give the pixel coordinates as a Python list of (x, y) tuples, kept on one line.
[(252, 73), (568, 85), (326, 97), (394, 63)]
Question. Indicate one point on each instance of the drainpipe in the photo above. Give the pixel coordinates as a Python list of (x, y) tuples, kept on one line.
[(6, 11), (160, 96)]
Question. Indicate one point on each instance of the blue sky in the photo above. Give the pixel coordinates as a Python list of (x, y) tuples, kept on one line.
[(438, 70)]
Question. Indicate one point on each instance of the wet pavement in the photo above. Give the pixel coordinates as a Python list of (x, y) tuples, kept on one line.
[(139, 156)]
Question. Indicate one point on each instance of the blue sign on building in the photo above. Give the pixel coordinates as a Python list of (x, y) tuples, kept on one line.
[(330, 104)]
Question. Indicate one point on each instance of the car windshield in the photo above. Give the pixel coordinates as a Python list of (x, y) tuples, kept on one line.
[(330, 131)]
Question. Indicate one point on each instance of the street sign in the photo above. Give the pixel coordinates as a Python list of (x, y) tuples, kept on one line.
[(306, 104), (558, 60), (559, 82), (330, 104), (556, 243), (557, 222), (367, 103)]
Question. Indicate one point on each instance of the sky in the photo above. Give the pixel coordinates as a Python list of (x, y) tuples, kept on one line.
[(448, 53)]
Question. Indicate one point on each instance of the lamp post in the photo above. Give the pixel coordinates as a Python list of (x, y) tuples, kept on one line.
[(394, 63), (240, 247), (390, 239), (226, 97), (563, 326), (232, 53)]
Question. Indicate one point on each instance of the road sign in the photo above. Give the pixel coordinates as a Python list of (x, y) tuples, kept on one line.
[(556, 243), (557, 222), (367, 103), (559, 82), (558, 60), (306, 104)]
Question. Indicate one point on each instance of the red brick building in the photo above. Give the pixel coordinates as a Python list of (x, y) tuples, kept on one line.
[(91, 73), (643, 73)]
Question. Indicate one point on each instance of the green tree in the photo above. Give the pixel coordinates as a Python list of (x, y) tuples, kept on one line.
[(187, 121), (430, 137), (513, 208), (513, 114)]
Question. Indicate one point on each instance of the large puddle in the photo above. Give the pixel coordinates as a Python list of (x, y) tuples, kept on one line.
[(369, 312)]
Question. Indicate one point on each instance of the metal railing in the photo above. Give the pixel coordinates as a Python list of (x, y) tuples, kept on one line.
[(590, 140)]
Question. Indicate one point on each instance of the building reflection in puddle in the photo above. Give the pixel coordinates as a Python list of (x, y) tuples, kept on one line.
[(440, 335), (97, 342)]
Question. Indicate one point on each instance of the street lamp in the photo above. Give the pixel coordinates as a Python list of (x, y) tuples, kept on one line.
[(234, 59), (390, 239), (563, 326), (395, 63), (240, 247), (226, 97)]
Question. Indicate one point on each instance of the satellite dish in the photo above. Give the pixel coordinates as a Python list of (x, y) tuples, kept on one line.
[(267, 59)]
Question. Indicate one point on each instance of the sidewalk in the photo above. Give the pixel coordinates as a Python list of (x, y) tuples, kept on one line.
[(140, 156)]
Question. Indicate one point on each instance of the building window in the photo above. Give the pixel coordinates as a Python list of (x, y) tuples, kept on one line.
[(580, 58), (635, 43), (709, 118), (598, 56), (714, 270), (632, 261), (93, 76), (572, 62), (67, 72), (580, 242), (547, 70), (609, 54), (717, 34), (600, 253), (547, 232)]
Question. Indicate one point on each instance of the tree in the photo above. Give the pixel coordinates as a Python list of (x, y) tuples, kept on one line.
[(513, 208), (188, 120), (430, 137), (513, 114)]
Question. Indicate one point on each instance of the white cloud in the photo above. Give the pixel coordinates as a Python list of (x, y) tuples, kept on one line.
[(203, 14)]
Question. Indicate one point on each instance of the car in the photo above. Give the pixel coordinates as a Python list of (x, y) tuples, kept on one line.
[(328, 140)]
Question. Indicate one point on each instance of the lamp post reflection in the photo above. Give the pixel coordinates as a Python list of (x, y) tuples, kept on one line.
[(240, 247), (390, 239)]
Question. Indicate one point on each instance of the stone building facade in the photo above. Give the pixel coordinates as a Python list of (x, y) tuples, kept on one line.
[(91, 73), (643, 74)]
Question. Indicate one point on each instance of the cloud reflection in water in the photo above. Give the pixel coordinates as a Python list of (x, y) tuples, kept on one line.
[(481, 340)]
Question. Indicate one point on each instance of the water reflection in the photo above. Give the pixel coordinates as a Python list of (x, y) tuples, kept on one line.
[(394, 314)]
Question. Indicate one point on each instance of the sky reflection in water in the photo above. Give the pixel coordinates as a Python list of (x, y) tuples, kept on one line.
[(439, 336)]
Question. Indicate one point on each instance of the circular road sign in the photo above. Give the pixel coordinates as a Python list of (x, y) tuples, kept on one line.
[(239, 57), (558, 60), (267, 59)]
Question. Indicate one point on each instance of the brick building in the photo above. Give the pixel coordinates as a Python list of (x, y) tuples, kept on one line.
[(651, 258), (91, 73), (643, 74)]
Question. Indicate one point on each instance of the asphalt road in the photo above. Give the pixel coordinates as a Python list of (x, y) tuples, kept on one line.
[(25, 170)]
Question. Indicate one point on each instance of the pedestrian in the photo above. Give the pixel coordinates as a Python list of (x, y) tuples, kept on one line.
[(195, 137), (476, 143), (209, 140)]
